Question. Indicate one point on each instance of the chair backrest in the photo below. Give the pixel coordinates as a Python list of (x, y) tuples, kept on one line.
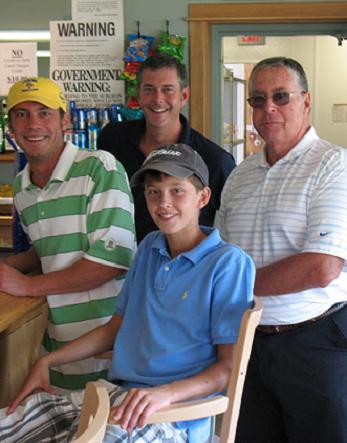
[(228, 404), (242, 352), (94, 414)]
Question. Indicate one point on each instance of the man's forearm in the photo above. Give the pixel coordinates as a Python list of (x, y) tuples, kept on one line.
[(81, 276), (25, 262), (297, 273)]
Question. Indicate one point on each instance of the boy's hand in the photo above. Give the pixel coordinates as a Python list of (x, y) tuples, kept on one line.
[(37, 379), (138, 405)]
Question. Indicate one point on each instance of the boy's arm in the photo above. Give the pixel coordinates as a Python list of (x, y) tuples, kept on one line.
[(141, 403), (82, 275), (94, 342)]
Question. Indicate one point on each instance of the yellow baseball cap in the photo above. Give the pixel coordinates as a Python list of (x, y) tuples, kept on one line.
[(37, 89)]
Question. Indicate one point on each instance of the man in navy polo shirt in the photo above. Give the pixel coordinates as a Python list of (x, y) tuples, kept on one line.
[(162, 93)]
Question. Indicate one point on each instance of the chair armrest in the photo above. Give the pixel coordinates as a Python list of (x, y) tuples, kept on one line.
[(94, 414), (190, 410)]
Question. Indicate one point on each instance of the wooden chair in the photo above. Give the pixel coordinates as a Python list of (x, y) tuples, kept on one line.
[(228, 404), (94, 414)]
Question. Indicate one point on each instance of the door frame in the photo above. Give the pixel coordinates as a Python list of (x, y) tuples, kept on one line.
[(203, 16)]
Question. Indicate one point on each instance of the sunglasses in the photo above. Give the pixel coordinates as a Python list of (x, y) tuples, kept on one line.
[(280, 98)]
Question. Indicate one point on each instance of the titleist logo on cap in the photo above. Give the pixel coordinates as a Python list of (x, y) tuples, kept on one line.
[(162, 152)]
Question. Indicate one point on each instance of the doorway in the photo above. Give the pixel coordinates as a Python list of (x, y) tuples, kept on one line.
[(208, 23)]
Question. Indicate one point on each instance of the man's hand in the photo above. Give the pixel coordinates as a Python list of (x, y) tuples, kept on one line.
[(12, 281), (38, 379), (138, 405)]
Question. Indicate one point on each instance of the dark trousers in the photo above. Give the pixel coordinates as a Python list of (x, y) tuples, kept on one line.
[(296, 385)]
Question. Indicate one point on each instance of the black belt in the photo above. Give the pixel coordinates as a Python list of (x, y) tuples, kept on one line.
[(277, 329)]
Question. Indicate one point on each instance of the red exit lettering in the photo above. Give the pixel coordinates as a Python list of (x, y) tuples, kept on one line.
[(250, 38)]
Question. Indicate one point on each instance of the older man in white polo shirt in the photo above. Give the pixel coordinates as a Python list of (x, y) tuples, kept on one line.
[(287, 208)]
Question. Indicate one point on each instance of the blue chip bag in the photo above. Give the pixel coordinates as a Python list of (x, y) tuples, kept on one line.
[(138, 49)]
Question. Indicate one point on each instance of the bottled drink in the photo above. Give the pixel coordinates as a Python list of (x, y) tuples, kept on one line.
[(3, 122), (80, 139), (92, 117), (104, 117), (93, 132), (116, 115), (79, 119)]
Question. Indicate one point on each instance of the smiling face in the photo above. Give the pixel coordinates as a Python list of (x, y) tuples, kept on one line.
[(38, 130), (162, 97), (282, 127), (174, 204)]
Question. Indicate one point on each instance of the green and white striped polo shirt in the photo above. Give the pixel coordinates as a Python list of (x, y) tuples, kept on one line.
[(84, 211)]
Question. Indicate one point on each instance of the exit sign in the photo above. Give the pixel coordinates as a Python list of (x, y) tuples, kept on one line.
[(251, 40)]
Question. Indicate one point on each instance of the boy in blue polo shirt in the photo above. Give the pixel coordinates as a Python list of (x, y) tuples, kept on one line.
[(179, 312)]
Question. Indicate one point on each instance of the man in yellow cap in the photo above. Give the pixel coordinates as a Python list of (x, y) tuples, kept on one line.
[(76, 208)]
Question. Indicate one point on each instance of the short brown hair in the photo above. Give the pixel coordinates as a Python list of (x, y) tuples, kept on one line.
[(163, 60)]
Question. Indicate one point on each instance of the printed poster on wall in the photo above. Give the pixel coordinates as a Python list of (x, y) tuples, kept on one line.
[(96, 9), (17, 61), (86, 60)]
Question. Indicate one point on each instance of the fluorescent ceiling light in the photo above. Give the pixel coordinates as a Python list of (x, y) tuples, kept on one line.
[(11, 36), (43, 53)]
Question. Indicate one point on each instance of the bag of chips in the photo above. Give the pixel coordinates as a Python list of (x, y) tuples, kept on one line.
[(172, 44), (138, 49)]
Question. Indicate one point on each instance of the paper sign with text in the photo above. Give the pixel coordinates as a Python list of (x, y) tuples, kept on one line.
[(86, 61), (17, 61), (96, 10)]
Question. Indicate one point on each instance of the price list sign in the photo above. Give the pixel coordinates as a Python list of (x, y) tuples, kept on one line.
[(17, 61)]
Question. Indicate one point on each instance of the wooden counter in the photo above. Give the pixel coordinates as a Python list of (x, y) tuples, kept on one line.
[(23, 321), (5, 232), (7, 157), (14, 311)]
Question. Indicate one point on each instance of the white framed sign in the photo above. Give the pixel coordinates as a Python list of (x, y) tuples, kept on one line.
[(17, 61)]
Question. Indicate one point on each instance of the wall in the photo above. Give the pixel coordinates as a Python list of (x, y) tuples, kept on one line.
[(33, 14), (331, 87), (151, 13)]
